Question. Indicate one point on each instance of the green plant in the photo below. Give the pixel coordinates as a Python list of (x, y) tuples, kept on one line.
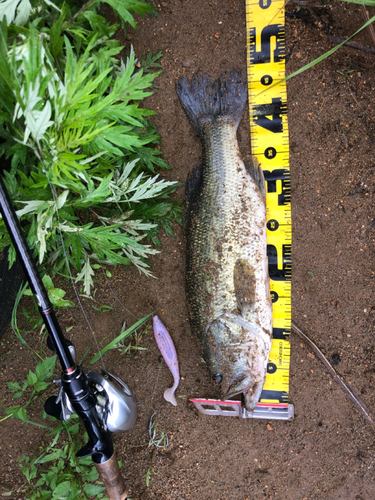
[(150, 471), (158, 439), (123, 335), (81, 149), (133, 345), (56, 473), (31, 387), (344, 73)]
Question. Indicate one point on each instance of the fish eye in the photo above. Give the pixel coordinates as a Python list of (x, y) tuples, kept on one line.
[(218, 377)]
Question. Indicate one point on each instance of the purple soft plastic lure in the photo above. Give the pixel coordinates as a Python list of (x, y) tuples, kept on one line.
[(166, 347)]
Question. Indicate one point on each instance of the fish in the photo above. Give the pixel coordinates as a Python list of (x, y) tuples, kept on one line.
[(227, 281), (168, 351)]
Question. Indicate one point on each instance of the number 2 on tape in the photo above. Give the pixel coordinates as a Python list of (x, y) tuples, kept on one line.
[(270, 144)]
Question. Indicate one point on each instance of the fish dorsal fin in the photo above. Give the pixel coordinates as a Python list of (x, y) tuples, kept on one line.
[(256, 173), (193, 182), (244, 284)]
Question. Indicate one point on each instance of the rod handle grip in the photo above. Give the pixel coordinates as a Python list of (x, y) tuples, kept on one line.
[(111, 476)]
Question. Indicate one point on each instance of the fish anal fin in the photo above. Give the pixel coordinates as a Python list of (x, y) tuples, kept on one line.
[(244, 284)]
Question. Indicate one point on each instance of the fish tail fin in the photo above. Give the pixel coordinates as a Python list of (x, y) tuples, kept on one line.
[(170, 397), (206, 100)]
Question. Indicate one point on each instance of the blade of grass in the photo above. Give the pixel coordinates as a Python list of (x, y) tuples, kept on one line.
[(123, 335), (361, 2), (320, 58), (14, 313), (85, 354)]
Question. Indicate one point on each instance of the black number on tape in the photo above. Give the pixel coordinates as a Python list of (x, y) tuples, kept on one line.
[(264, 55), (262, 112), (271, 368), (279, 174), (264, 4), (281, 333), (280, 396), (270, 153), (272, 225), (266, 80), (276, 274)]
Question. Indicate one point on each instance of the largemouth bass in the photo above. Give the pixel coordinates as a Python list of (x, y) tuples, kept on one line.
[(227, 279)]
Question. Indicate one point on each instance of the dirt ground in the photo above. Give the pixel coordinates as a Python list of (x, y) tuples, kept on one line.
[(328, 450)]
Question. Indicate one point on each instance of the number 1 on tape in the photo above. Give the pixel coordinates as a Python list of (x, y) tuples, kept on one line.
[(270, 144)]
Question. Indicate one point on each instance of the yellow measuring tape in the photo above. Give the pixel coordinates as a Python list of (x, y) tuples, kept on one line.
[(265, 22)]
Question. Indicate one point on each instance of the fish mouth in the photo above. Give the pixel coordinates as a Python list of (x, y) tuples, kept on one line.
[(250, 385), (252, 396), (242, 383)]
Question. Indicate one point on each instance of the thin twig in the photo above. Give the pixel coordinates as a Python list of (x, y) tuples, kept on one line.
[(370, 27), (305, 3), (82, 9), (353, 45), (356, 190), (350, 393)]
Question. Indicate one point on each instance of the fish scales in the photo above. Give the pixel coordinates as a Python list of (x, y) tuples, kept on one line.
[(225, 225)]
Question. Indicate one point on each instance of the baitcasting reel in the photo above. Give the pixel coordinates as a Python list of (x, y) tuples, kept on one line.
[(116, 406), (115, 403)]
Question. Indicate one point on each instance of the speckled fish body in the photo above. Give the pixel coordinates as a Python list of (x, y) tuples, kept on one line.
[(225, 224), (168, 351)]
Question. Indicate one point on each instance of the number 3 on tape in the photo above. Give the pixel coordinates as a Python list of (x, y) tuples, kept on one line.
[(270, 144)]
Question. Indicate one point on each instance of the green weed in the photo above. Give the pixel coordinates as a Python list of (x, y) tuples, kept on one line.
[(133, 345), (31, 387), (56, 473), (334, 49), (150, 471), (82, 151), (123, 335)]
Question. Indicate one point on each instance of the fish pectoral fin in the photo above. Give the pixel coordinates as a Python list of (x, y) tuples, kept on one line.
[(240, 384), (244, 285), (256, 173)]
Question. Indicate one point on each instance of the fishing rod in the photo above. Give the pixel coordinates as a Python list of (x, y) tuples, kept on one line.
[(103, 401)]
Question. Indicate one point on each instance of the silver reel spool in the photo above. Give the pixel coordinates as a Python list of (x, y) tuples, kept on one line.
[(116, 405)]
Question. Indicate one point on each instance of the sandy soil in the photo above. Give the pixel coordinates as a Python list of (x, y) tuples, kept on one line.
[(327, 451)]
